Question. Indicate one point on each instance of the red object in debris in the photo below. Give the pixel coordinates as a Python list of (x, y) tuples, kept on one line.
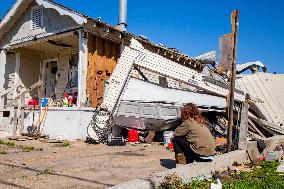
[(171, 146), (132, 135), (32, 102), (261, 158)]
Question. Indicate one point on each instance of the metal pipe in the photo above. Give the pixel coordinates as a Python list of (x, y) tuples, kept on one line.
[(122, 18)]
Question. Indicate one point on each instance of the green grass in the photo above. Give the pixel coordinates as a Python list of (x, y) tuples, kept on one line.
[(13, 145), (27, 148), (66, 143), (46, 172), (3, 152), (262, 176), (7, 143)]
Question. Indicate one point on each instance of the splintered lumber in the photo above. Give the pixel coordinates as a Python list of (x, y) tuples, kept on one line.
[(255, 128), (150, 137), (244, 122)]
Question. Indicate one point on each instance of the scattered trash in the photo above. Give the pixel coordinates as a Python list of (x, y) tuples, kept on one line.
[(216, 186), (261, 158), (241, 168), (168, 135), (274, 156), (133, 136), (280, 168), (220, 141)]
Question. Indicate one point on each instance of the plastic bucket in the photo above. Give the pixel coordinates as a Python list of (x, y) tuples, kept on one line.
[(44, 102), (167, 137)]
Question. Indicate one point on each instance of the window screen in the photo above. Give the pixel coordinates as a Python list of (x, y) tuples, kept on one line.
[(37, 17)]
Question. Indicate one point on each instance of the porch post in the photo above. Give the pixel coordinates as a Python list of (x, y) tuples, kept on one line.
[(17, 73), (82, 68), (2, 73)]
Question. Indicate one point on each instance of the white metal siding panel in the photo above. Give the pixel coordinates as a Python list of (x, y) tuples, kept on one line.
[(154, 78), (260, 86), (276, 87)]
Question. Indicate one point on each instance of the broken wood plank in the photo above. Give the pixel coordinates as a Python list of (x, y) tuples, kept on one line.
[(150, 137), (255, 128), (22, 114), (244, 122)]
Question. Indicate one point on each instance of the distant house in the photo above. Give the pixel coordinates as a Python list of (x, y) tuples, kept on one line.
[(41, 40)]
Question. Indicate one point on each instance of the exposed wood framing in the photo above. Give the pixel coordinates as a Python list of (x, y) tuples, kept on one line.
[(102, 59), (231, 97), (17, 73)]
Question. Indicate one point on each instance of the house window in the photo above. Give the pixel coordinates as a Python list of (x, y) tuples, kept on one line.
[(36, 17)]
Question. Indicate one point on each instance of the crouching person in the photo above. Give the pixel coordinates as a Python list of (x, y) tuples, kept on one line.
[(192, 139)]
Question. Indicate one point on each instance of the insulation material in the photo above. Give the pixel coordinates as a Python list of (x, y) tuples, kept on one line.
[(267, 92)]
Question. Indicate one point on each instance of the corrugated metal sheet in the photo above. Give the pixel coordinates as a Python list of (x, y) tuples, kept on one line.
[(269, 89)]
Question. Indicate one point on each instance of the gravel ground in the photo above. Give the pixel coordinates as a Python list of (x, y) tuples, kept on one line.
[(35, 164)]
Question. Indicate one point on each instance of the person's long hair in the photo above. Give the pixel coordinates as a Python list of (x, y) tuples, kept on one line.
[(190, 111)]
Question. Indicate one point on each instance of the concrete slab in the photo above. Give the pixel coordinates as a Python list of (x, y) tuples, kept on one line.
[(187, 172)]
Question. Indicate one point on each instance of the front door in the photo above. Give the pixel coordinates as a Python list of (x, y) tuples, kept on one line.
[(50, 79)]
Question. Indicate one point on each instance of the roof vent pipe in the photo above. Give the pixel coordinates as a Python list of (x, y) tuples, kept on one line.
[(122, 23)]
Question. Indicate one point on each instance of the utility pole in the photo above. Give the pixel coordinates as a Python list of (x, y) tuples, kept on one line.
[(235, 24)]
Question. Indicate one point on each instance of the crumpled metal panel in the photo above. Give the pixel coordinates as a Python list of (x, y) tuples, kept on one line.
[(137, 90), (243, 67), (145, 105), (267, 92)]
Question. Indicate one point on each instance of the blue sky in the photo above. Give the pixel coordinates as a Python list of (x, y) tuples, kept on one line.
[(194, 27)]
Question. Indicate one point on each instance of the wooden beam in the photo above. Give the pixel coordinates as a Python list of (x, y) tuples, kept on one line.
[(22, 114), (15, 121), (255, 128), (17, 73), (82, 68), (244, 122), (231, 100)]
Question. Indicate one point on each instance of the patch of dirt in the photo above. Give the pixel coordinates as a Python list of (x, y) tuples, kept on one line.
[(77, 165)]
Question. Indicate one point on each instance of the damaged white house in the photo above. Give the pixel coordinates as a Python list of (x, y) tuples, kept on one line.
[(49, 52)]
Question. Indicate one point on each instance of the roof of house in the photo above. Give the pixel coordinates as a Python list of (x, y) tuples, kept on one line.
[(21, 6)]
